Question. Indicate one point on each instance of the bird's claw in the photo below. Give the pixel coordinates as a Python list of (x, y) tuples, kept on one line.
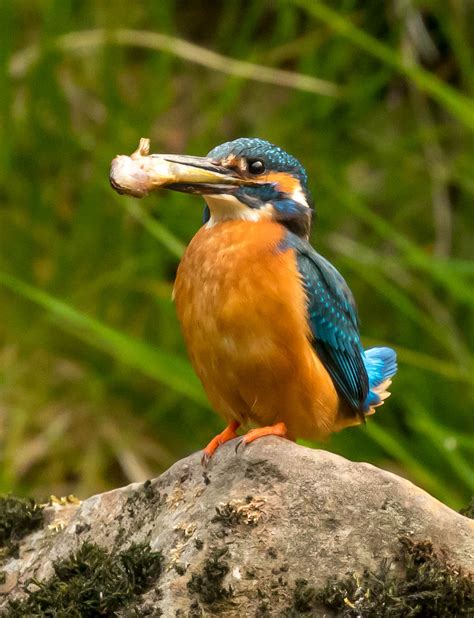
[(279, 429), (205, 459), (240, 442), (215, 443)]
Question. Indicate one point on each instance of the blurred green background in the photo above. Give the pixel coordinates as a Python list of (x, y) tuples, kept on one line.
[(374, 99)]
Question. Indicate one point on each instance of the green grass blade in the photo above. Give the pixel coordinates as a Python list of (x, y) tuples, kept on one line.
[(156, 229), (22, 62), (440, 438), (167, 368), (419, 259), (457, 104), (394, 447), (420, 360)]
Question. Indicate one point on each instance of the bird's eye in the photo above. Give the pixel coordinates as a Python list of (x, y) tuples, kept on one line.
[(256, 166)]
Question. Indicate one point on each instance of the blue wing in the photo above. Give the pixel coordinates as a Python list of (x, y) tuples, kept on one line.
[(334, 324)]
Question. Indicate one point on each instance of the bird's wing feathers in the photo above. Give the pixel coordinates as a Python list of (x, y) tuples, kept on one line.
[(334, 324)]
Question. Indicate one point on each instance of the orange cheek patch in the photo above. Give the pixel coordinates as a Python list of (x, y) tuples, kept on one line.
[(285, 182)]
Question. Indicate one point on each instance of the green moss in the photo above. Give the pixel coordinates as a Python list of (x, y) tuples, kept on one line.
[(18, 517), (432, 587), (91, 582), (305, 596), (208, 583), (146, 495)]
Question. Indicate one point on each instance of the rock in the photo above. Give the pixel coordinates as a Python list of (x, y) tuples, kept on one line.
[(239, 538)]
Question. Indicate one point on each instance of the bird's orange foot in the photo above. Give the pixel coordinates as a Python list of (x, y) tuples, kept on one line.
[(279, 429), (229, 433)]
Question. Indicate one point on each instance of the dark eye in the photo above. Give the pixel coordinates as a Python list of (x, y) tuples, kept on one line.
[(256, 166)]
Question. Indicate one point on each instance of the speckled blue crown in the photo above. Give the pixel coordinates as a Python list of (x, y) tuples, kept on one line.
[(274, 157)]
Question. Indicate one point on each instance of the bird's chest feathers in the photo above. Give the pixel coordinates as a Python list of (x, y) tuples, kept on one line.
[(234, 290)]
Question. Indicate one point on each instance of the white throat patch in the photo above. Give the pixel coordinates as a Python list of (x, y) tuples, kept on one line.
[(229, 208), (298, 196)]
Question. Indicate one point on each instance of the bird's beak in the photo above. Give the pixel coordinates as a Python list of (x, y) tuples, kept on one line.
[(200, 175), (141, 173)]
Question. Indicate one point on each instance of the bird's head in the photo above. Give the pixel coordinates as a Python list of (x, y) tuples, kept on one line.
[(247, 179)]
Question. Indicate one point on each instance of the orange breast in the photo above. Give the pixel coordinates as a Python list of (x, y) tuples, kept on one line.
[(243, 313)]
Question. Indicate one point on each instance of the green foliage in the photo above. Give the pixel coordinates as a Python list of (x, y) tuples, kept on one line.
[(95, 388), (91, 582)]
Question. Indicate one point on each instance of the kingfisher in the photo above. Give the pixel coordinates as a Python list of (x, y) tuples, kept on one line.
[(270, 325)]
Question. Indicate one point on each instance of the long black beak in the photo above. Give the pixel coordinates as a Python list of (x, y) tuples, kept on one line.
[(201, 175)]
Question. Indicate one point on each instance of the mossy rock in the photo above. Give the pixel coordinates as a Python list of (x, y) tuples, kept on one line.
[(431, 586), (274, 530), (91, 582)]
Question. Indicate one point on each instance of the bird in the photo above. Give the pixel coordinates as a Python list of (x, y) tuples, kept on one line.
[(270, 325)]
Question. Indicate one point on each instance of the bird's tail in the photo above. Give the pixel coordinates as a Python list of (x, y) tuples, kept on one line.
[(381, 366)]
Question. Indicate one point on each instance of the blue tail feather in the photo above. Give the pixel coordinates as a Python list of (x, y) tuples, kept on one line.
[(381, 366)]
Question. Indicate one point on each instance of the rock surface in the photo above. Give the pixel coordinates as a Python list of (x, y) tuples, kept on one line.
[(237, 537)]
